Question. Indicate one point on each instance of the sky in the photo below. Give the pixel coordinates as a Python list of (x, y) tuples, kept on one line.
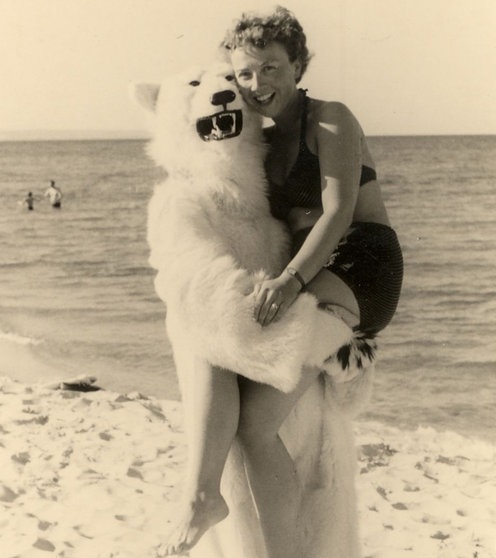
[(404, 67)]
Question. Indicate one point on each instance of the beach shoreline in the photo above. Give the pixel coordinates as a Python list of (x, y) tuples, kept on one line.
[(95, 475)]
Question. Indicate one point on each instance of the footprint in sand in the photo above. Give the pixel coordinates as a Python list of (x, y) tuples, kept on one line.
[(44, 525), (44, 544), (7, 494), (21, 458)]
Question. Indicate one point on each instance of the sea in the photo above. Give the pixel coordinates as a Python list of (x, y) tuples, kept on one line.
[(77, 294)]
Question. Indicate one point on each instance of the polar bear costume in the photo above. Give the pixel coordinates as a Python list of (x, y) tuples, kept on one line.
[(212, 237)]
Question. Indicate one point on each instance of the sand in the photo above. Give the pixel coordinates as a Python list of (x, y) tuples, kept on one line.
[(95, 475)]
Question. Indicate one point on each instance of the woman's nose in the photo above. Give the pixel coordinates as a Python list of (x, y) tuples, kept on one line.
[(255, 82)]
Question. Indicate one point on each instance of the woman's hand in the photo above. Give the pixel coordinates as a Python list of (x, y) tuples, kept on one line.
[(273, 297)]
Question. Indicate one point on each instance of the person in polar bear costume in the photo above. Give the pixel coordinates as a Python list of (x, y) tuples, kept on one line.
[(212, 237), (250, 367)]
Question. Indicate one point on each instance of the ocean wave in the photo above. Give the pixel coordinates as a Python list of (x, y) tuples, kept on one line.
[(19, 265), (422, 438), (478, 361), (18, 339)]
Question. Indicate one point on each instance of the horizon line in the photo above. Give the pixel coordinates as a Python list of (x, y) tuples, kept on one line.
[(81, 135), (60, 135)]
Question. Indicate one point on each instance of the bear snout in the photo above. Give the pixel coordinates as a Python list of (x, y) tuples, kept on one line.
[(223, 98)]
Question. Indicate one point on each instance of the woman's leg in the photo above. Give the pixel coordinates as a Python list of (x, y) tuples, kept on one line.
[(263, 409), (269, 467), (330, 289), (211, 408)]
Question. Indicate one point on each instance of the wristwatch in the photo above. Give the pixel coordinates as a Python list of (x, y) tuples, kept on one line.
[(296, 274)]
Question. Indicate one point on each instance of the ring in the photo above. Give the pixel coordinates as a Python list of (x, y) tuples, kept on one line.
[(274, 307)]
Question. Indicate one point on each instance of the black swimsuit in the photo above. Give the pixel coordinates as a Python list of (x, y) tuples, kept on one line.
[(368, 259)]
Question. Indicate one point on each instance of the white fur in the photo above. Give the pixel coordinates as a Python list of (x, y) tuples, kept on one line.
[(211, 237)]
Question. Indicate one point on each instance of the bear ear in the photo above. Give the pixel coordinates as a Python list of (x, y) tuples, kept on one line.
[(146, 94)]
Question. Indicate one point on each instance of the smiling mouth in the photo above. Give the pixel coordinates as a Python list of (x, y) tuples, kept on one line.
[(219, 126), (264, 99)]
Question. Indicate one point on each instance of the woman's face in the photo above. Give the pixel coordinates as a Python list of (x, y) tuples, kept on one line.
[(266, 77)]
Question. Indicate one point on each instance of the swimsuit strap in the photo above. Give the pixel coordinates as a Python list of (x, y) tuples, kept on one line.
[(368, 173), (303, 125)]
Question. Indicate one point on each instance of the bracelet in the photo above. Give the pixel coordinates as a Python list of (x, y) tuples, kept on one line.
[(294, 273)]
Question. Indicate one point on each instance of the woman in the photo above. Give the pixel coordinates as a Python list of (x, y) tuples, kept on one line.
[(323, 183)]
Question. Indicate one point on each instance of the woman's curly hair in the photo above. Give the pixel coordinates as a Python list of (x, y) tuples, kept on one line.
[(259, 30)]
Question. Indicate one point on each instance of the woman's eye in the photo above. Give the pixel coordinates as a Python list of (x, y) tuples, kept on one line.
[(230, 77), (194, 83)]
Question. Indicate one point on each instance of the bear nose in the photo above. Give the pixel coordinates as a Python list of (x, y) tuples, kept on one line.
[(223, 97)]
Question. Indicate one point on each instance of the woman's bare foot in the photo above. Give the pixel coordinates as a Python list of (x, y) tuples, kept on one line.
[(197, 517)]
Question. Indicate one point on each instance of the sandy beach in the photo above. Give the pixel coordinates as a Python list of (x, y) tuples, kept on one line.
[(94, 475)]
